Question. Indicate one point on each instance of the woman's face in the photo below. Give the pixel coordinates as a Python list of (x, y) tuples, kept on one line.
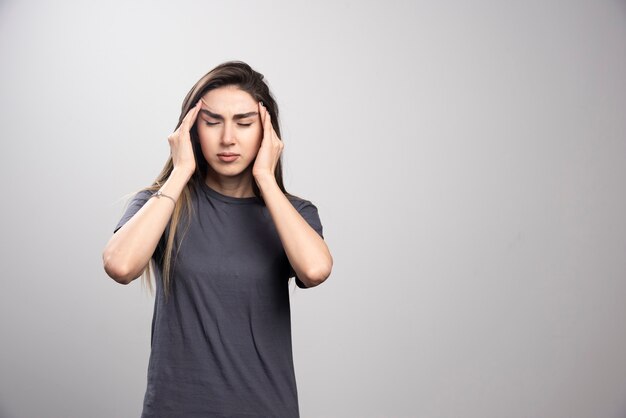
[(229, 129)]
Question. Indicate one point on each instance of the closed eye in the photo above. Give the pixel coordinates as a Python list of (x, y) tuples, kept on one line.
[(245, 125)]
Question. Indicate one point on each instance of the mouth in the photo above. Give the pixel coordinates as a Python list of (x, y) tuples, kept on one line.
[(227, 157)]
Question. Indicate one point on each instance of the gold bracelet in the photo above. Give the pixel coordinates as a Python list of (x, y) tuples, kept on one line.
[(160, 193)]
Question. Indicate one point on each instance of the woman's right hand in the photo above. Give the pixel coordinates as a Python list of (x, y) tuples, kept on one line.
[(181, 148)]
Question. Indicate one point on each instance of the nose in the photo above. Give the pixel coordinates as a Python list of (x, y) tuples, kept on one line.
[(228, 135)]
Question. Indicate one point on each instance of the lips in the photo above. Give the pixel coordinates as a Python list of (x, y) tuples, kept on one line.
[(227, 157)]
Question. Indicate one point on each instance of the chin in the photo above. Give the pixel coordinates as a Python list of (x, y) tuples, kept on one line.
[(231, 170)]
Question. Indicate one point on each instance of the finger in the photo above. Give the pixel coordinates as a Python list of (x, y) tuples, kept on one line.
[(191, 116), (262, 114), (268, 127), (196, 109), (192, 111), (267, 124), (186, 123), (269, 120), (275, 134)]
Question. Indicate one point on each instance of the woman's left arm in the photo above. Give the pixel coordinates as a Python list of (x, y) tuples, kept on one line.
[(306, 250)]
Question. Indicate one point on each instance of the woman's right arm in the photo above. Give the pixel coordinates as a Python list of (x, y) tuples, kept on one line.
[(129, 250)]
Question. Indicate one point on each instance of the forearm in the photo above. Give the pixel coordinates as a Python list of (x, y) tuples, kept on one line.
[(306, 250), (129, 251)]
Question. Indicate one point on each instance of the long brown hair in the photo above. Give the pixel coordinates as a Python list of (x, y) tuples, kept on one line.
[(231, 73)]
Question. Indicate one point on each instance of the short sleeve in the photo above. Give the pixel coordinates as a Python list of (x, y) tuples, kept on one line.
[(135, 204), (310, 214)]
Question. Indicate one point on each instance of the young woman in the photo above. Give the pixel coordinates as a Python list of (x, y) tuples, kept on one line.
[(223, 237)]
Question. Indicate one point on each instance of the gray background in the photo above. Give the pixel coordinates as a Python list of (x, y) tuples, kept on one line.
[(467, 158)]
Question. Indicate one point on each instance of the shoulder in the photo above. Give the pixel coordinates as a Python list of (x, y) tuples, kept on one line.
[(135, 202), (144, 194), (138, 197), (308, 211), (298, 202)]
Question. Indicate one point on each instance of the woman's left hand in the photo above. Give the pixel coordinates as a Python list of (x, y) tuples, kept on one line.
[(271, 147)]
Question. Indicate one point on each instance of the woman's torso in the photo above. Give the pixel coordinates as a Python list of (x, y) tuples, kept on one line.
[(221, 345)]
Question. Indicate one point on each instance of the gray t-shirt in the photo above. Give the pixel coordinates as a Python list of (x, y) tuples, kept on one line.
[(221, 344)]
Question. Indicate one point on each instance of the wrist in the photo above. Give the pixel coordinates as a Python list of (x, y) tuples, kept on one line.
[(176, 182), (182, 173), (265, 179)]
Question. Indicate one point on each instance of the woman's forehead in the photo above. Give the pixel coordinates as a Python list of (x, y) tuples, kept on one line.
[(228, 97)]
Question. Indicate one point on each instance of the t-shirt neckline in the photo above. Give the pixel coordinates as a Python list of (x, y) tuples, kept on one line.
[(228, 199)]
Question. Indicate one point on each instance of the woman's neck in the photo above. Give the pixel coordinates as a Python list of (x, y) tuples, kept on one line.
[(238, 186)]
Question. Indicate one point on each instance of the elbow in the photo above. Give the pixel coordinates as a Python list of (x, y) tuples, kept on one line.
[(118, 274), (318, 275), (116, 270)]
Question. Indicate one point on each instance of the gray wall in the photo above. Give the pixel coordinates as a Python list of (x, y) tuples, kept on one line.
[(468, 160)]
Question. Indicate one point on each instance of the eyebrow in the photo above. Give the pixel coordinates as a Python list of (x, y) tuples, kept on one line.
[(235, 117)]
